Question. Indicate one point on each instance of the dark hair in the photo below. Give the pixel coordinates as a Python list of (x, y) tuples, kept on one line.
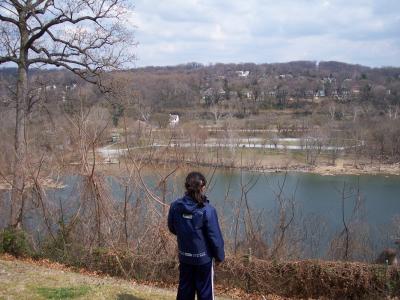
[(193, 184)]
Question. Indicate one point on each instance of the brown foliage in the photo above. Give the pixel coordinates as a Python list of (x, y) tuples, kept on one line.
[(311, 279)]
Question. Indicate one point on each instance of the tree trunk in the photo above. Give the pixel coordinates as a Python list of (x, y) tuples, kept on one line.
[(19, 161), (20, 149)]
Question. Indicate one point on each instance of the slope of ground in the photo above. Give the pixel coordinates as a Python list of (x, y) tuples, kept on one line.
[(22, 280), (27, 280)]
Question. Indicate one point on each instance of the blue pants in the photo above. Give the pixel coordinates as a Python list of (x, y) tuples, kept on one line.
[(196, 280)]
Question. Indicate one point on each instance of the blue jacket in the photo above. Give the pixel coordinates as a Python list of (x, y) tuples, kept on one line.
[(197, 230)]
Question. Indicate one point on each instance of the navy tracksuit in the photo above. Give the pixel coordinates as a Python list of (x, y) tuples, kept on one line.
[(199, 242)]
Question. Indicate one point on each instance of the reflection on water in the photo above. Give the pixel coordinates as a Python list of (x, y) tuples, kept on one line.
[(314, 195), (316, 198)]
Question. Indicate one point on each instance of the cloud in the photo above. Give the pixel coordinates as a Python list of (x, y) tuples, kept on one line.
[(355, 31)]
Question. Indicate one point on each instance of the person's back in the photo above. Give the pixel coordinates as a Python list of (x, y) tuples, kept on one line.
[(195, 223)]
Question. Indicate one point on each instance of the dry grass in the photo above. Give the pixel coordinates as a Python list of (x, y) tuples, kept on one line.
[(313, 279), (43, 279), (22, 280)]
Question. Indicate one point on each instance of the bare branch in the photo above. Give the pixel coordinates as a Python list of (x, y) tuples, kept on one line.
[(64, 18), (8, 20), (4, 59)]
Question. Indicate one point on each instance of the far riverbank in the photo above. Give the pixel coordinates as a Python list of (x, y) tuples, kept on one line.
[(249, 159)]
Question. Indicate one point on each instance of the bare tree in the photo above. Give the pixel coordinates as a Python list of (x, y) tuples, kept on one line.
[(352, 242), (86, 37), (286, 217)]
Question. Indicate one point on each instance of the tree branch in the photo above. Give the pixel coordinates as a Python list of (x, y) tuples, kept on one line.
[(5, 59), (40, 11), (8, 20), (63, 18)]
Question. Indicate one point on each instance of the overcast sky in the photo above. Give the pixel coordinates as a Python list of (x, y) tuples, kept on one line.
[(171, 32)]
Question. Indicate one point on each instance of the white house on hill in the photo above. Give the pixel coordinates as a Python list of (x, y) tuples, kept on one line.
[(173, 120), (243, 73)]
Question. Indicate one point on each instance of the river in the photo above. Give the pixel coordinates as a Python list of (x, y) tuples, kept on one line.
[(313, 195), (378, 197)]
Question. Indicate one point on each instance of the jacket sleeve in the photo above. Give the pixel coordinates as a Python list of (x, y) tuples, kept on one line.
[(171, 226), (214, 235)]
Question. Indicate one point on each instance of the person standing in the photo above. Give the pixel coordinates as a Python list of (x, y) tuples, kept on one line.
[(195, 223)]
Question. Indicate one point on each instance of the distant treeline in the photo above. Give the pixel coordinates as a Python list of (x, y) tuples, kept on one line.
[(271, 85)]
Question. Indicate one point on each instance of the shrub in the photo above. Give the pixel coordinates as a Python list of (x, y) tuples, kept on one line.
[(14, 242)]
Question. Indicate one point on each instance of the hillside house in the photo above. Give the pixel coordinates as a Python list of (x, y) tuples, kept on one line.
[(243, 74), (207, 93), (344, 94), (221, 92), (71, 87), (246, 94), (50, 87), (284, 76), (320, 93), (115, 137), (233, 94), (329, 79), (173, 120), (355, 90), (309, 94)]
